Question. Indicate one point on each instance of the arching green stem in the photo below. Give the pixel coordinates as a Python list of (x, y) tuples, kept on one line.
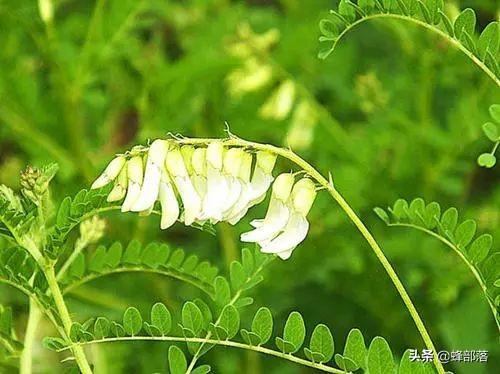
[(427, 26), (291, 156)]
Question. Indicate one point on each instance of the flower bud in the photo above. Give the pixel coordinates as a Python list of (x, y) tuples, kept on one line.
[(245, 167), (280, 102), (110, 173), (232, 161), (266, 161), (187, 152), (283, 186), (199, 161), (303, 195), (215, 155), (120, 189), (175, 163), (135, 176)]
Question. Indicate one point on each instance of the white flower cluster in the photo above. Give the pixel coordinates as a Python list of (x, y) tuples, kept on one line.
[(212, 184)]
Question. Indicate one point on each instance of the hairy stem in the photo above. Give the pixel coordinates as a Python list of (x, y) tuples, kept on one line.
[(290, 155), (77, 351), (26, 361)]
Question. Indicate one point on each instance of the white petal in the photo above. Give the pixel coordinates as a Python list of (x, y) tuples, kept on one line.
[(261, 181), (152, 175), (169, 205), (256, 222), (285, 255), (235, 189), (217, 191), (276, 219), (133, 191), (294, 233), (240, 208), (190, 199), (110, 173)]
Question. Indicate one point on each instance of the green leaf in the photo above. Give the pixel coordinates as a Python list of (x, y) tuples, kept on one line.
[(284, 345), (489, 40), (63, 212), (117, 329), (328, 28), (465, 22), (432, 214), (101, 328), (495, 112), (382, 214), (449, 221), (244, 301), (52, 343), (247, 261), (464, 233), (366, 5), (190, 264), (222, 291), (192, 318), (150, 255), (177, 258), (324, 53), (400, 209), (322, 342), (5, 321), (434, 7), (407, 366), (114, 255), (205, 312), (262, 324), (295, 330), (491, 268), (77, 268), (380, 360), (480, 248), (416, 211), (203, 369), (132, 321), (161, 318), (355, 348), (491, 131), (230, 320), (250, 338), (347, 11), (132, 254), (345, 363), (97, 262), (237, 275), (176, 360), (447, 24)]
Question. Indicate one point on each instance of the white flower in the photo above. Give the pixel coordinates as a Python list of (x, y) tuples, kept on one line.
[(135, 176), (190, 199), (217, 187), (241, 206), (169, 204), (120, 188), (277, 214), (230, 169), (110, 173), (295, 231), (152, 174), (262, 176), (199, 165)]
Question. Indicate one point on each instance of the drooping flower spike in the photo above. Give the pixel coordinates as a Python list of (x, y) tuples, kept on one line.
[(213, 183)]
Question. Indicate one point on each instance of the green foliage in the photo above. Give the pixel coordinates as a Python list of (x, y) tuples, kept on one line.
[(491, 131), (430, 14), (7, 338), (474, 250), (152, 258)]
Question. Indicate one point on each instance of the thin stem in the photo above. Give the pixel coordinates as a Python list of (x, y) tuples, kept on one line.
[(205, 287), (471, 267), (34, 316), (288, 154), (427, 26), (77, 351), (233, 300), (226, 343)]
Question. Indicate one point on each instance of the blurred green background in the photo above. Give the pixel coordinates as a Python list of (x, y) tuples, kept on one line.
[(394, 112)]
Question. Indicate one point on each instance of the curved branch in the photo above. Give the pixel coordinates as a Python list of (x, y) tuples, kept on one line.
[(226, 343), (328, 185), (427, 26), (471, 267), (17, 286), (203, 286)]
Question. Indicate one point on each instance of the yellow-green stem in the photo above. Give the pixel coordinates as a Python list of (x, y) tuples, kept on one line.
[(77, 351), (288, 154), (26, 361)]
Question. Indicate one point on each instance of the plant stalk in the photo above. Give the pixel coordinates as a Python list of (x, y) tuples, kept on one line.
[(26, 361), (77, 351)]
